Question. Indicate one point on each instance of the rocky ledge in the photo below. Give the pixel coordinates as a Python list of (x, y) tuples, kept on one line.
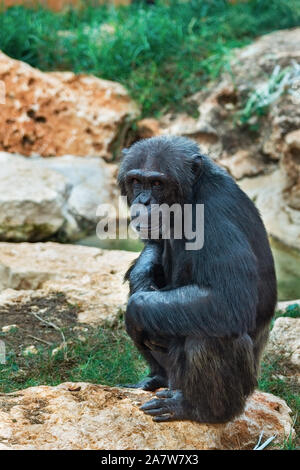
[(90, 278), (53, 197), (86, 416), (61, 113)]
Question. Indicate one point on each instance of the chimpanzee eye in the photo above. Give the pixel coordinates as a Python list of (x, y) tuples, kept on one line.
[(134, 181), (156, 183)]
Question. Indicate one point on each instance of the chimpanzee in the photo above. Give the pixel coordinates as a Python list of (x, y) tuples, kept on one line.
[(200, 317)]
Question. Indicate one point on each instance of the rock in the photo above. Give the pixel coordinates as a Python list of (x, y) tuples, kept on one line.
[(31, 200), (281, 220), (43, 197), (249, 143), (200, 130), (147, 128), (285, 340), (86, 416), (242, 164), (59, 113), (90, 278)]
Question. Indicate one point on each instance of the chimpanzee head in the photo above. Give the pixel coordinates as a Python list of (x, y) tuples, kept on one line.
[(159, 170)]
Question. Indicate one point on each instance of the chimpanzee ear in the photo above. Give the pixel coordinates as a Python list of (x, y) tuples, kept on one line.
[(197, 165), (125, 152)]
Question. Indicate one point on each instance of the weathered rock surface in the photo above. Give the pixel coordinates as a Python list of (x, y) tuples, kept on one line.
[(280, 219), (285, 341), (86, 416), (252, 66), (247, 144), (89, 277), (43, 197), (149, 127), (60, 113)]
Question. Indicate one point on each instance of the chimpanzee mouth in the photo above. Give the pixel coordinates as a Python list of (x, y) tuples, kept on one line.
[(148, 222), (147, 230)]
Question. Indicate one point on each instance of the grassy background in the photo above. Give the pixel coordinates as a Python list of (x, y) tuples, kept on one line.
[(161, 53)]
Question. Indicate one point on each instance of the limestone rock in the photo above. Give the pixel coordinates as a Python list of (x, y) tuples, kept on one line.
[(147, 128), (291, 167), (242, 164), (287, 303), (281, 220), (89, 277), (86, 416), (58, 113), (285, 340), (31, 200), (40, 197)]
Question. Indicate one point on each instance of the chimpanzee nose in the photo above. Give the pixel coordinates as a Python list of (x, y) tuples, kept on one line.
[(145, 199)]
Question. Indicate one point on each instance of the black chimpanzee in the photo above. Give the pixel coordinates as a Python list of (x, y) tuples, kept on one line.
[(199, 317)]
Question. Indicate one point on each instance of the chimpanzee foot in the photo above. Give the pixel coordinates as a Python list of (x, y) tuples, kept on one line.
[(149, 383), (170, 406)]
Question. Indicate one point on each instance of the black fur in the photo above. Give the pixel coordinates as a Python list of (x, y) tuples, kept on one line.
[(200, 318)]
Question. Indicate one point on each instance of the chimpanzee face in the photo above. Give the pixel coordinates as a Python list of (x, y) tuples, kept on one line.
[(159, 171)]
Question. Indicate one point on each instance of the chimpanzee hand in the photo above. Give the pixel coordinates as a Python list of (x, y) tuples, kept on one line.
[(146, 274)]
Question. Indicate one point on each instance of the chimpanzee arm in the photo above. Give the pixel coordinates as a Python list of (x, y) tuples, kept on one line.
[(145, 273), (227, 307)]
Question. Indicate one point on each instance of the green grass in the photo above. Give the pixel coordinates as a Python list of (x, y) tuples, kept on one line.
[(105, 356), (272, 380), (161, 53), (276, 377)]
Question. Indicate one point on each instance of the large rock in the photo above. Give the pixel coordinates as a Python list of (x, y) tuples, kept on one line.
[(86, 416), (220, 102), (90, 278), (47, 197), (284, 341), (60, 113), (248, 144), (281, 220)]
